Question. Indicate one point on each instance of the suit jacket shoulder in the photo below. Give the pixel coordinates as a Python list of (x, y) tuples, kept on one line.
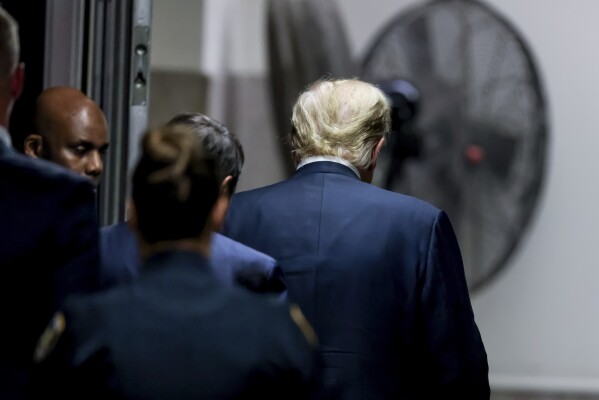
[(240, 252), (30, 172), (177, 314), (119, 258), (236, 262), (49, 218), (48, 250), (231, 261)]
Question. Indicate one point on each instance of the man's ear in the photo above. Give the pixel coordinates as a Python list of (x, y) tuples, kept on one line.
[(295, 158), (225, 188), (219, 212), (220, 208), (375, 153), (17, 81), (34, 145)]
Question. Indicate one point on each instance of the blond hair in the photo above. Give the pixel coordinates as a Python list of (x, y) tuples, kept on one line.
[(345, 118)]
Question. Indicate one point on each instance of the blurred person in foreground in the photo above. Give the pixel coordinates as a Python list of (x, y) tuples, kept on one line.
[(176, 332), (379, 275), (70, 130), (233, 263), (48, 234)]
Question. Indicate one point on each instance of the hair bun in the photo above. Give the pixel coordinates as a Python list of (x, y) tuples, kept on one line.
[(173, 150)]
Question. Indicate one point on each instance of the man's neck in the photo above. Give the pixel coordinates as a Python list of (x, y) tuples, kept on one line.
[(199, 245)]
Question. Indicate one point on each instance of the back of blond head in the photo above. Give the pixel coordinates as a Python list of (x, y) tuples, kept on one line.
[(345, 118), (9, 46)]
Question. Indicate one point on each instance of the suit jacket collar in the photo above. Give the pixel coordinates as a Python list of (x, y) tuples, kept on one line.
[(326, 167), (338, 160)]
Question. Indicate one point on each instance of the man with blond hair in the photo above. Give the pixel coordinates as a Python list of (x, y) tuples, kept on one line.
[(379, 275)]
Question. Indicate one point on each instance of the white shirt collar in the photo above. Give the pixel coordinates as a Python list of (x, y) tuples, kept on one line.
[(5, 136), (334, 159)]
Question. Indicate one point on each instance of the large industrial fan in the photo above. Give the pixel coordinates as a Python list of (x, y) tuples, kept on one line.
[(473, 141)]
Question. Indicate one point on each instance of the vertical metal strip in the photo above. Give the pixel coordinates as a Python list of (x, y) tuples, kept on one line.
[(120, 103), (90, 31), (125, 80), (139, 78), (110, 77), (63, 43)]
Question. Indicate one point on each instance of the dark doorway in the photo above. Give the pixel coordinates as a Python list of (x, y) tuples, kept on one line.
[(31, 16)]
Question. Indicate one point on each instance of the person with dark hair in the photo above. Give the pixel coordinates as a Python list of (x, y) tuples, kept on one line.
[(218, 142), (48, 235), (234, 263), (379, 275), (70, 130), (177, 332)]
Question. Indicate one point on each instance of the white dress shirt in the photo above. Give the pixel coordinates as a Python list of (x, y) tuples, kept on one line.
[(334, 159)]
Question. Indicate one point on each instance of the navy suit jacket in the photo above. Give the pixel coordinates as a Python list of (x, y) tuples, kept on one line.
[(48, 250), (379, 276), (232, 262), (177, 332)]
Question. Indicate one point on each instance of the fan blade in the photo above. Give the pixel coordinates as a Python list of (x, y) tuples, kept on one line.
[(418, 47)]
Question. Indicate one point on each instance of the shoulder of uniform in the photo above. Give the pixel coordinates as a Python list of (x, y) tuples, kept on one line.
[(302, 323), (49, 338)]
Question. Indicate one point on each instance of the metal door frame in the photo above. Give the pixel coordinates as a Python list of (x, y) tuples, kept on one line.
[(91, 45)]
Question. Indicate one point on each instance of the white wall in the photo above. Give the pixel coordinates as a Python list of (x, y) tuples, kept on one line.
[(540, 317), (176, 35)]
